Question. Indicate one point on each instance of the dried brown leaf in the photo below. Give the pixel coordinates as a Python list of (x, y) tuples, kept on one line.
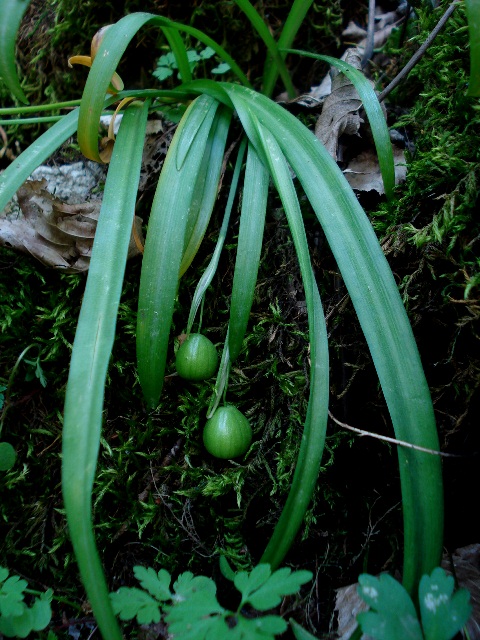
[(363, 171), (57, 234), (340, 113)]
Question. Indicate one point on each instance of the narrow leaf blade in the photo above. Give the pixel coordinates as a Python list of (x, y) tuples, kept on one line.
[(20, 169), (164, 248), (249, 247), (313, 440), (374, 113), (473, 15), (91, 354), (12, 14)]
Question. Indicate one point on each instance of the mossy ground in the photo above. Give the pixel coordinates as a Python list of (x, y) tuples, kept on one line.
[(159, 499)]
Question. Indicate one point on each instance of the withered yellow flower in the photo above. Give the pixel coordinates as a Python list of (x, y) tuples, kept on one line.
[(87, 61)]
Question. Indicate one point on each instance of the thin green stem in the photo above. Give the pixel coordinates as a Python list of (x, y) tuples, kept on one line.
[(7, 111), (209, 272), (6, 403), (39, 120)]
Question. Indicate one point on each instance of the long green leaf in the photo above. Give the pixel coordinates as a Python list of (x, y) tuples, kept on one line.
[(180, 52), (11, 15), (294, 21), (383, 319), (374, 113), (164, 245), (473, 15), (206, 187), (313, 437), (249, 247), (20, 169), (262, 29), (90, 357)]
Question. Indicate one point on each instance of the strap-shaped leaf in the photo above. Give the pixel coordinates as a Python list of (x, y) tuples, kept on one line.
[(179, 50), (262, 29), (473, 15), (20, 169), (90, 357), (294, 21), (206, 188), (11, 15), (383, 319), (249, 247), (165, 243), (374, 113), (313, 438)]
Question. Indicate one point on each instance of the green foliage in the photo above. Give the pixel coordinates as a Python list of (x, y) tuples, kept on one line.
[(133, 447), (167, 63), (392, 614), (192, 610), (17, 619), (36, 371)]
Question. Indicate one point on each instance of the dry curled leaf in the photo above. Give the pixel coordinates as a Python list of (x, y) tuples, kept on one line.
[(340, 113), (363, 172), (57, 234)]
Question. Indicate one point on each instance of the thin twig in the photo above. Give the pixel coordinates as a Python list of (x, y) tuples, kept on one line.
[(419, 54), (367, 54), (402, 443)]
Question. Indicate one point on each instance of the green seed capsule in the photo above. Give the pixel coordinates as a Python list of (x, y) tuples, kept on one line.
[(227, 433), (7, 456), (197, 358)]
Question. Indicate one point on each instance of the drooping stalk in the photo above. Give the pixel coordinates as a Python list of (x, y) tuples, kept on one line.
[(211, 269)]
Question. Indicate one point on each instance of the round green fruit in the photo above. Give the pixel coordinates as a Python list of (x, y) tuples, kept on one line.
[(7, 456), (197, 358), (227, 434)]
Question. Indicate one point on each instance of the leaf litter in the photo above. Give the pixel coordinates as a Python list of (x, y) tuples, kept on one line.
[(58, 234), (340, 119)]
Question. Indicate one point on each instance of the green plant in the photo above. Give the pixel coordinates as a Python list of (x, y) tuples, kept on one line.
[(196, 359), (228, 433), (17, 619), (191, 609), (167, 63), (8, 454), (393, 615), (275, 143)]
